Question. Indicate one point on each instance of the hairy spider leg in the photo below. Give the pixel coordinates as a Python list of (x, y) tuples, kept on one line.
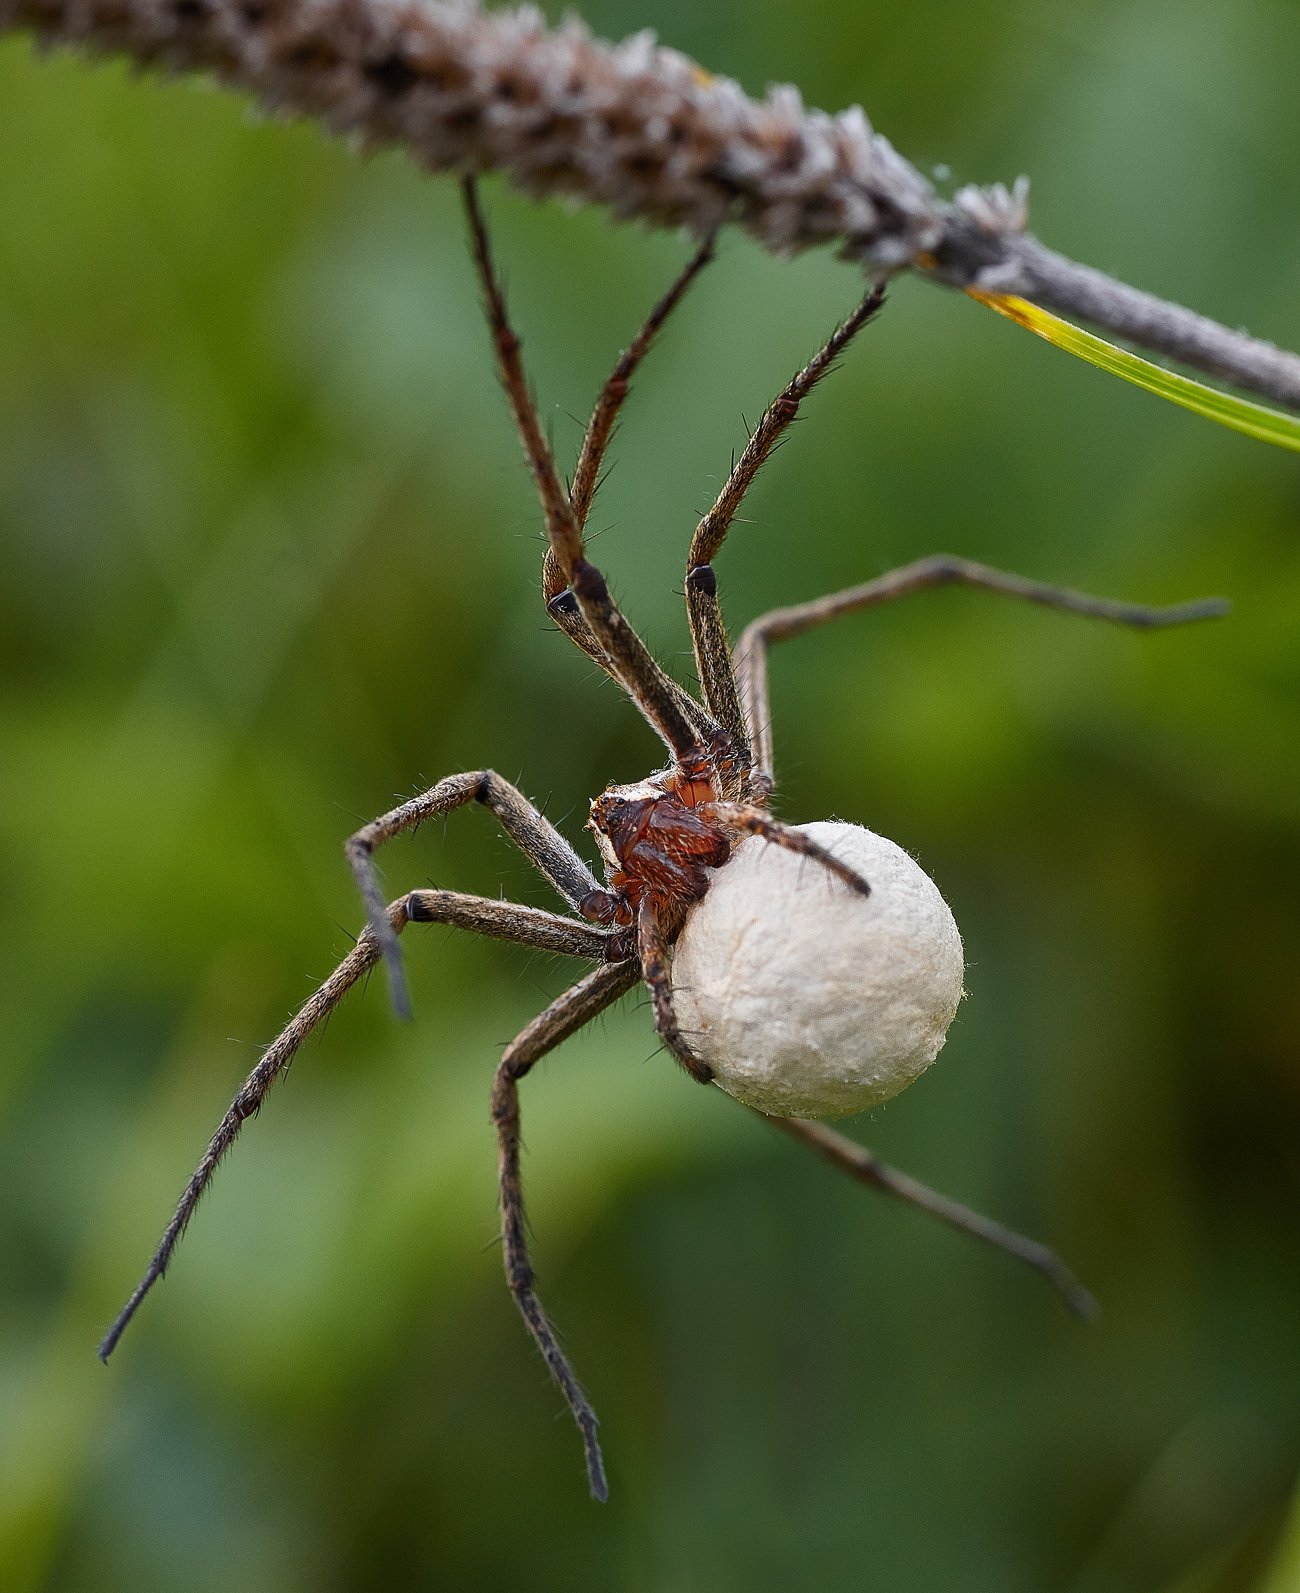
[(556, 595), (586, 474), (528, 926), (568, 1013), (713, 660), (652, 947), (658, 698), (538, 839), (751, 820), (563, 609), (940, 569), (867, 1168)]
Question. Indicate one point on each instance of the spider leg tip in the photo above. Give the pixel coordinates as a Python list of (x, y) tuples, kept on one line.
[(1081, 1303), (596, 1479), (398, 990), (1204, 608), (109, 1342)]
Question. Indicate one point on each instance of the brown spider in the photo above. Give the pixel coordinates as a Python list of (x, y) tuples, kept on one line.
[(660, 840)]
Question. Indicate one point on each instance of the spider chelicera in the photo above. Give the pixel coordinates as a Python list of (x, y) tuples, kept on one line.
[(660, 840)]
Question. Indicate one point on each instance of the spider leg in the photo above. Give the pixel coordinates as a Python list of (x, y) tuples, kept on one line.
[(576, 1007), (865, 1166), (560, 602), (713, 660), (940, 569), (563, 609), (621, 650), (538, 839), (652, 950), (502, 920), (529, 926), (586, 475), (754, 821)]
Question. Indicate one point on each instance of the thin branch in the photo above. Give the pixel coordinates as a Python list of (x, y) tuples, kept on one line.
[(1026, 268), (640, 129)]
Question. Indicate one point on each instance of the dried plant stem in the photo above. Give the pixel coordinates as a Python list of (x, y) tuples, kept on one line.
[(640, 129)]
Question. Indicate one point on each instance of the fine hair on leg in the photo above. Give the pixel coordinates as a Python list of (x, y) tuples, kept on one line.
[(600, 428), (713, 661), (755, 821), (556, 595), (653, 952), (939, 569), (569, 1012)]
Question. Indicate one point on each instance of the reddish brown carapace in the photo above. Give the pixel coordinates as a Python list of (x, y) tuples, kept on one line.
[(658, 839)]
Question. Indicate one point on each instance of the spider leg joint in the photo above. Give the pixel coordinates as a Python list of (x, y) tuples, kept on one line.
[(588, 582)]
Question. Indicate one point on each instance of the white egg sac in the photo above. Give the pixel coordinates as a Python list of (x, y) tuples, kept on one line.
[(806, 998)]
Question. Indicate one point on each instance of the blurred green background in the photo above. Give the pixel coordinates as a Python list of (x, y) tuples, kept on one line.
[(270, 559)]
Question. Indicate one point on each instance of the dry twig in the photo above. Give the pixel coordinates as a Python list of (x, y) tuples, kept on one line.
[(640, 129)]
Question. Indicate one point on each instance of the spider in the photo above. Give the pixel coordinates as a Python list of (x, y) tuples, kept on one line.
[(662, 841)]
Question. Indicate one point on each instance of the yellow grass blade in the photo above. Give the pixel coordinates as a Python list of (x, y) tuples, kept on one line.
[(1256, 420)]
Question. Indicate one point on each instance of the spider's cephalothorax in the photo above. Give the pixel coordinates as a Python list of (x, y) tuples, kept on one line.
[(661, 840), (657, 846)]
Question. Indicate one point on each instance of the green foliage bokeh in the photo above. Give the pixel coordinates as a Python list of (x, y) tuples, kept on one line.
[(268, 558)]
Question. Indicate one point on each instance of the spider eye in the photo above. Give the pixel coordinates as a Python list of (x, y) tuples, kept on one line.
[(607, 810)]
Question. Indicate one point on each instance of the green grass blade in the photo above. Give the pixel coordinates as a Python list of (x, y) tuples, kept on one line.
[(1256, 420)]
